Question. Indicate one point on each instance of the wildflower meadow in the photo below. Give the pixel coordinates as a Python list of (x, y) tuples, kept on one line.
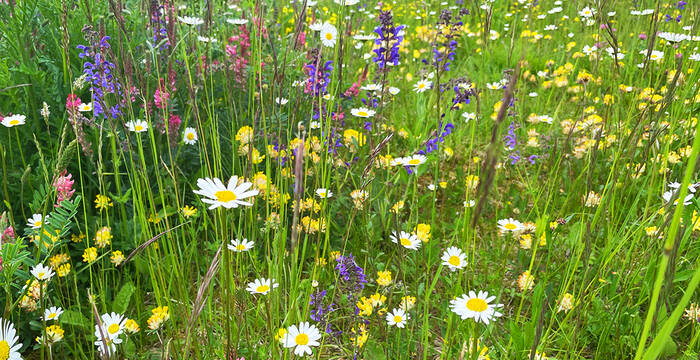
[(349, 179)]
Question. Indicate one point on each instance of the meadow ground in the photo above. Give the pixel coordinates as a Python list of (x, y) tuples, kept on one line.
[(349, 179)]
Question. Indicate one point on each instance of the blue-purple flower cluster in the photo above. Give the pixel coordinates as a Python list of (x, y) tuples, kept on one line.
[(389, 41), (158, 25), (439, 137), (511, 141), (321, 312), (99, 72), (352, 276), (318, 79)]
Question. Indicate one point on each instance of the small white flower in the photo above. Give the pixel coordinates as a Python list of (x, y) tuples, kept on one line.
[(469, 116), (477, 307), (229, 196), (137, 126), (42, 272), (362, 112), (52, 313), (302, 338), (454, 258), (206, 39), (422, 85), (13, 120), (240, 245), (190, 136), (510, 224), (324, 193), (407, 240), (261, 286), (85, 107), (397, 317), (329, 35), (37, 220), (237, 21), (189, 20)]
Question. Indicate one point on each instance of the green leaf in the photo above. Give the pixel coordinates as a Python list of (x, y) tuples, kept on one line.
[(121, 301), (75, 318)]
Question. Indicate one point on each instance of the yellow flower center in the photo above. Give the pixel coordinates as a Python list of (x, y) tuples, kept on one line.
[(420, 86), (476, 304), (52, 315), (14, 122), (414, 162), (405, 241), (112, 329), (190, 136), (329, 36), (301, 339), (397, 319), (41, 274), (262, 288), (510, 226), (362, 113), (454, 260), (138, 127), (240, 247), (4, 350), (225, 195)]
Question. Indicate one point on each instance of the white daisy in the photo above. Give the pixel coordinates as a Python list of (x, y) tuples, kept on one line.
[(364, 37), (42, 272), (190, 136), (240, 245), (207, 39), (85, 107), (587, 12), (346, 2), (108, 334), (422, 85), (315, 125), (510, 224), (9, 348), (469, 116), (414, 160), (189, 20), (281, 100), (454, 258), (476, 307), (407, 240), (112, 325), (137, 126), (52, 313), (397, 317), (324, 193), (362, 112), (329, 35), (37, 220), (302, 338), (230, 196), (317, 26), (13, 120), (394, 90), (237, 21), (261, 286), (371, 87)]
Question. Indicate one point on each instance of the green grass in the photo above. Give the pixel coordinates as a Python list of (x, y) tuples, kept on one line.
[(618, 137)]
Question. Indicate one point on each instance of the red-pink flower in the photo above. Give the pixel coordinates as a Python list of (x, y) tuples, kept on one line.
[(72, 102), (64, 187), (161, 98), (8, 234)]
